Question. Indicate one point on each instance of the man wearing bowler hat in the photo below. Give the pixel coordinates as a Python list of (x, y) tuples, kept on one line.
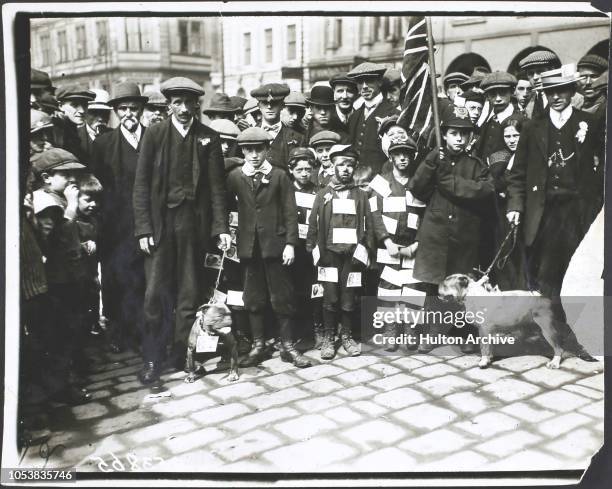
[(322, 105), (270, 99), (345, 93), (363, 123), (179, 207), (114, 158)]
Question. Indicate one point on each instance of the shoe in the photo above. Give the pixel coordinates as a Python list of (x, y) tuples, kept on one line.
[(328, 350), (256, 355), (149, 373), (390, 332), (244, 344), (348, 343), (288, 353), (319, 336)]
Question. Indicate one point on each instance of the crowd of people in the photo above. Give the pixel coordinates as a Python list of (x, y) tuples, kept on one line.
[(289, 207)]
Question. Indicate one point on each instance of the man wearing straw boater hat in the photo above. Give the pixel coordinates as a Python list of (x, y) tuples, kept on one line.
[(114, 157), (179, 208)]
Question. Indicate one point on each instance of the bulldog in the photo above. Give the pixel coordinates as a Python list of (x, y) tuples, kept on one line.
[(505, 311), (211, 333)]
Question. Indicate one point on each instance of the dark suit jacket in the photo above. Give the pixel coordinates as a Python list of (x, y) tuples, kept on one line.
[(151, 183), (285, 141), (527, 179), (364, 135), (270, 213), (491, 136), (86, 145)]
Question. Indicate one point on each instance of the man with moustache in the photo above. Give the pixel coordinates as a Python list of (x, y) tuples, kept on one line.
[(114, 158), (345, 93), (179, 208), (363, 122), (155, 109), (270, 99), (96, 121)]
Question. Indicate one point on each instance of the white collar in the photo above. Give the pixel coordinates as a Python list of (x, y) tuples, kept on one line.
[(91, 132), (375, 102), (132, 137), (343, 118), (504, 114), (183, 129), (560, 118)]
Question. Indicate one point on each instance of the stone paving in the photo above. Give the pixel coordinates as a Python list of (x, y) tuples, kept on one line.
[(371, 413)]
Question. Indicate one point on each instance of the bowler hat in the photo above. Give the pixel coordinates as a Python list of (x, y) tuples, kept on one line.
[(56, 159), (321, 95), (253, 135), (367, 69), (498, 79), (126, 91), (324, 137), (342, 79), (270, 92), (155, 98), (342, 150), (295, 99), (74, 92), (540, 59), (457, 117), (220, 103), (226, 129), (40, 79), (180, 84)]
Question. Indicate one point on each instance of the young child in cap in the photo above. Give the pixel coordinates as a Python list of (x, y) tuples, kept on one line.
[(267, 237), (301, 166), (321, 143), (454, 187), (340, 238)]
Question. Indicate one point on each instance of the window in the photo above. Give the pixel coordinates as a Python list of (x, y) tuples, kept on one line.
[(183, 29), (333, 33), (291, 42), (268, 42), (81, 42), (62, 46), (247, 48), (132, 34), (338, 33), (195, 41), (45, 53), (101, 33)]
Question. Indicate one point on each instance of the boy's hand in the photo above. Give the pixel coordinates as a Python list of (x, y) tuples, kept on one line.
[(90, 247), (243, 124), (146, 244), (392, 248), (71, 192), (288, 254), (409, 251), (224, 242)]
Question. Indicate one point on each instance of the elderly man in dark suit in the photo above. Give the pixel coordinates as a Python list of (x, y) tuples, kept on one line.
[(363, 122), (270, 99), (114, 158), (179, 206)]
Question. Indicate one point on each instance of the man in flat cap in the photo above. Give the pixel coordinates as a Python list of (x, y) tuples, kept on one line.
[(363, 123), (321, 103), (591, 67), (179, 208), (270, 99), (114, 158), (293, 113), (345, 93), (96, 121), (532, 66), (452, 84), (155, 108)]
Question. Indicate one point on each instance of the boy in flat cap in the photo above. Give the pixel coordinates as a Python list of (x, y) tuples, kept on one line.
[(293, 112), (179, 207), (321, 143), (363, 123), (115, 157), (345, 93), (270, 99), (267, 237), (340, 237)]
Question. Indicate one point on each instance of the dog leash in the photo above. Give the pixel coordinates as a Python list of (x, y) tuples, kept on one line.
[(499, 259), (218, 280)]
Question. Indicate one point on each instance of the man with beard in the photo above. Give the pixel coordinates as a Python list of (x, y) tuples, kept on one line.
[(591, 67), (363, 123), (155, 109), (345, 93), (321, 103), (179, 208), (115, 155), (270, 101), (96, 121)]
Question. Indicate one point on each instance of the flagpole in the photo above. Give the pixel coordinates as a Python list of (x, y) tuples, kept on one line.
[(434, 87)]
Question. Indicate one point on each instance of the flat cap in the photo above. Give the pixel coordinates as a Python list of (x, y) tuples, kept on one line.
[(457, 117), (40, 79), (39, 120), (126, 91), (42, 200), (321, 95), (251, 105), (474, 96), (454, 77), (342, 79), (155, 98), (181, 84), (393, 76), (226, 129), (253, 135), (387, 123), (238, 101), (342, 150), (74, 92), (301, 153), (56, 159), (324, 137), (295, 99), (270, 92), (101, 100), (593, 61), (477, 75), (540, 58), (367, 69), (498, 79), (408, 145)]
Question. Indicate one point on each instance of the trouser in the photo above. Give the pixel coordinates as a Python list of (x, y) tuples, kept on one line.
[(309, 309), (337, 295), (172, 274)]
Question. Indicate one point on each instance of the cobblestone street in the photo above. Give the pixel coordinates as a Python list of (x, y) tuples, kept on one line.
[(369, 413)]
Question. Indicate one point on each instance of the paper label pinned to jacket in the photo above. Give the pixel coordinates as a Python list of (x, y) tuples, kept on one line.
[(316, 255), (327, 274), (390, 224), (302, 199), (390, 275), (302, 231), (413, 296), (316, 291), (206, 343), (389, 292), (343, 206), (234, 298), (383, 256), (344, 236), (413, 220), (219, 297), (394, 204), (380, 186), (354, 279), (233, 219), (373, 204), (407, 262), (406, 277), (361, 254)]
